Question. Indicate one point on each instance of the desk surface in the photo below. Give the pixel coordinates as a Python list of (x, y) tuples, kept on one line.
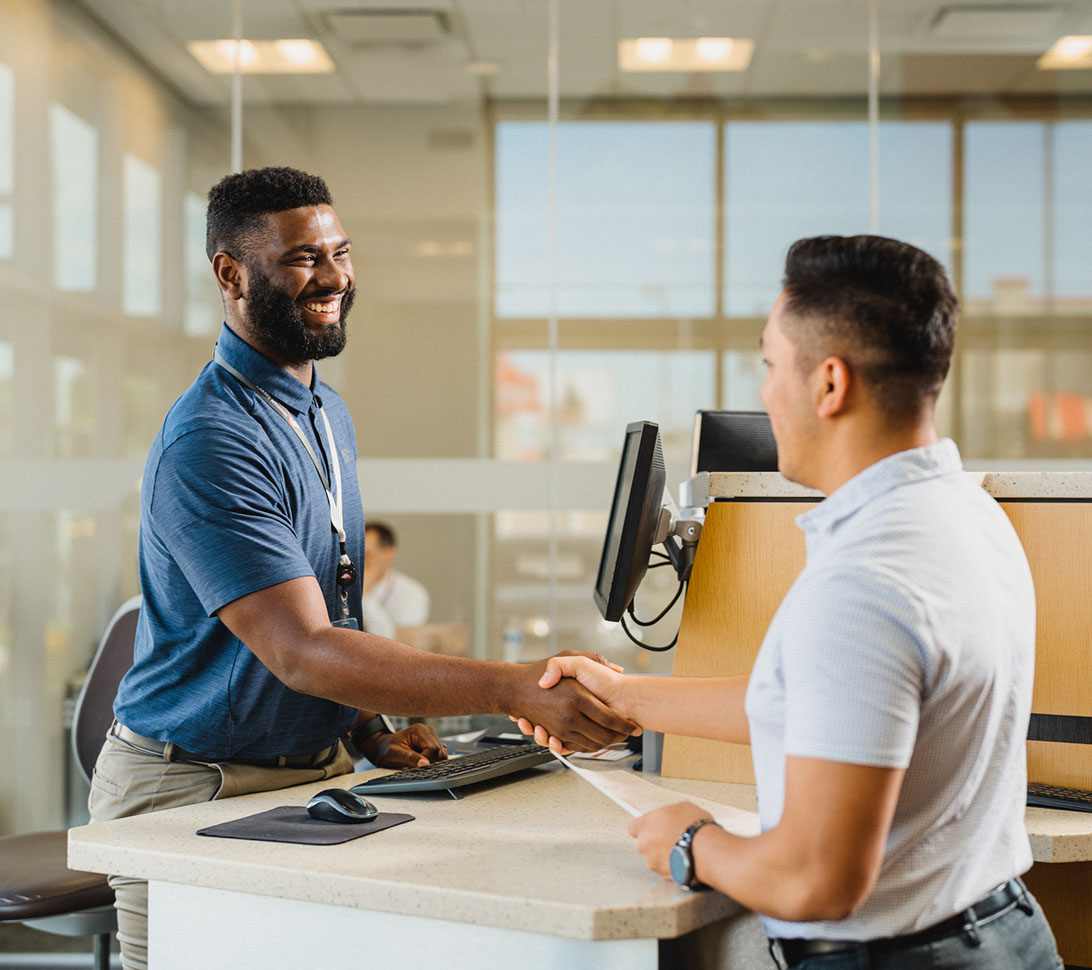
[(546, 853)]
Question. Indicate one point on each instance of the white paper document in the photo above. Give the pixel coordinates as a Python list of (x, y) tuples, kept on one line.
[(637, 796)]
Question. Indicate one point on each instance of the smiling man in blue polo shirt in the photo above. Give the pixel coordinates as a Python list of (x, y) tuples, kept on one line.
[(250, 666)]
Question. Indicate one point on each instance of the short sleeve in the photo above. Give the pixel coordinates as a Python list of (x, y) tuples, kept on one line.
[(854, 668), (220, 508)]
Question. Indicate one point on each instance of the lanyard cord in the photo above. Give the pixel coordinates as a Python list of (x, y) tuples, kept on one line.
[(346, 570)]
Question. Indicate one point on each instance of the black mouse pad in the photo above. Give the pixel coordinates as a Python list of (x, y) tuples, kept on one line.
[(291, 823)]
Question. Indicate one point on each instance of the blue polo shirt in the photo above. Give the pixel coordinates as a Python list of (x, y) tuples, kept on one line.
[(231, 503)]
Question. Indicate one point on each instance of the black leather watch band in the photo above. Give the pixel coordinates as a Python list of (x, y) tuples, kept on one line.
[(682, 856), (377, 724)]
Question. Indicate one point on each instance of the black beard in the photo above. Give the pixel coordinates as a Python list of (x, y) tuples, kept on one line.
[(275, 318)]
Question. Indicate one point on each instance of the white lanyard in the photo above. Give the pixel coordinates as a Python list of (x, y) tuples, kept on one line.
[(346, 571)]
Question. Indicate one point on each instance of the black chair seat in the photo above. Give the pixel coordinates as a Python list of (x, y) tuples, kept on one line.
[(35, 881)]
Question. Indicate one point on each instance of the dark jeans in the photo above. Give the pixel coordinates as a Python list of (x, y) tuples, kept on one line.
[(1018, 940)]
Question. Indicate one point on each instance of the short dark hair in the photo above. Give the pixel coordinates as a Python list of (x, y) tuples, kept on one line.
[(384, 532), (883, 306), (238, 201)]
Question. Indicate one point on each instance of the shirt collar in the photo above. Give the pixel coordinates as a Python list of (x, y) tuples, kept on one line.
[(274, 380), (902, 468)]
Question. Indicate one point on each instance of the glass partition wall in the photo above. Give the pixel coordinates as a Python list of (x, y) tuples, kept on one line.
[(567, 215)]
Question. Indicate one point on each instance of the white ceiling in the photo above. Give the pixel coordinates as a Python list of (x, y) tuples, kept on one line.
[(418, 51)]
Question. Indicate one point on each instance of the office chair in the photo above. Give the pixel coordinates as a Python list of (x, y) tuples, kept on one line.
[(36, 886)]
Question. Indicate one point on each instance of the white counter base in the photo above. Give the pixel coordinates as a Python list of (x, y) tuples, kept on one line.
[(219, 930)]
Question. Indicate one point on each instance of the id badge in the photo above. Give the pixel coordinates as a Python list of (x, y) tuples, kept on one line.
[(347, 623)]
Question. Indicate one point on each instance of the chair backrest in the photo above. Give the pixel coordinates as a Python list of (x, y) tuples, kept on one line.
[(95, 704)]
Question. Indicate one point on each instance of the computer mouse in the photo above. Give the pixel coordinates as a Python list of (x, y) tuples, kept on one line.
[(339, 805)]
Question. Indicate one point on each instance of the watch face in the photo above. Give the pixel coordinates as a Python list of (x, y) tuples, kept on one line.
[(679, 862)]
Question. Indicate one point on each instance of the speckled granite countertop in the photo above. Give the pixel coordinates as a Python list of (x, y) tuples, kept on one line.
[(1000, 484), (546, 853)]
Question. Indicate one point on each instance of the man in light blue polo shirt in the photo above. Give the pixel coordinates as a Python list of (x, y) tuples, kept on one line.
[(250, 667), (887, 710)]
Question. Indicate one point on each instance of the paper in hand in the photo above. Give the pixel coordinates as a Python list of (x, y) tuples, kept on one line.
[(637, 796)]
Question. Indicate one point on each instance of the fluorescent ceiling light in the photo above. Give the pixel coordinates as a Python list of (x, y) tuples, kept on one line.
[(685, 53), (262, 56), (1067, 53)]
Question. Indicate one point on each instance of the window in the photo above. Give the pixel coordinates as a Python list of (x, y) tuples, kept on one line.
[(74, 148), (1004, 236), (636, 219), (141, 269), (1071, 209), (785, 180)]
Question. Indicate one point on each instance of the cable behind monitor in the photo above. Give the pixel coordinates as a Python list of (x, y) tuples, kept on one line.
[(667, 609)]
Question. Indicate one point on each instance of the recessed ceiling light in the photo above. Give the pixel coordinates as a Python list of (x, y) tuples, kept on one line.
[(293, 56), (685, 53), (1067, 53)]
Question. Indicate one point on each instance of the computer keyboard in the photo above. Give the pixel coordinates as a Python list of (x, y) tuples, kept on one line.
[(467, 769), (1054, 796)]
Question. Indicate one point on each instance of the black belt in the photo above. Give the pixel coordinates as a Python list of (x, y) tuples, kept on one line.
[(991, 906), (172, 752)]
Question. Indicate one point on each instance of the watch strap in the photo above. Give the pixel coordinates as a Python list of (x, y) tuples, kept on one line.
[(686, 844), (379, 723)]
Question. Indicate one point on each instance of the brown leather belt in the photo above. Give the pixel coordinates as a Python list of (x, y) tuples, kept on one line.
[(172, 752), (993, 905)]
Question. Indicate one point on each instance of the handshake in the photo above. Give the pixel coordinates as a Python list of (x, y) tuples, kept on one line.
[(578, 703)]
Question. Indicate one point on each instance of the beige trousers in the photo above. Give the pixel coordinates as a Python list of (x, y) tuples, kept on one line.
[(128, 781)]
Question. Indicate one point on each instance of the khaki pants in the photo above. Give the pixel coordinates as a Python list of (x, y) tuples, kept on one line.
[(128, 781)]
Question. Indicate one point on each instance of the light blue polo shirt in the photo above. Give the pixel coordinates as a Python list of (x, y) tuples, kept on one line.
[(908, 641), (231, 503)]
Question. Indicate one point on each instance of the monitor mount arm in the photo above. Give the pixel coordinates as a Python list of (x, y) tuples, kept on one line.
[(679, 536)]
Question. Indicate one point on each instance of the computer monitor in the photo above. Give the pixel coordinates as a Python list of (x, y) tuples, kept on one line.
[(733, 441), (634, 519)]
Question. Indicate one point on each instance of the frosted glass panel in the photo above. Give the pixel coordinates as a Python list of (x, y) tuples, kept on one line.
[(636, 219), (74, 145), (140, 280)]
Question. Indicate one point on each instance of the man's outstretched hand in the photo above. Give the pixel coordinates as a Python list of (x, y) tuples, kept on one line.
[(569, 716), (596, 676), (411, 747)]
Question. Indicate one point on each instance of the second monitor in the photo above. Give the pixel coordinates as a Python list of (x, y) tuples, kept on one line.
[(733, 441)]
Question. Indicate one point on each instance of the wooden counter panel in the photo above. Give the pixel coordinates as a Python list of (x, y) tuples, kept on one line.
[(748, 557), (750, 553), (1064, 890)]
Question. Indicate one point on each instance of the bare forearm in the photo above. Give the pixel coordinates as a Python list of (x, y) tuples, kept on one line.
[(767, 875), (700, 707), (287, 628), (376, 674)]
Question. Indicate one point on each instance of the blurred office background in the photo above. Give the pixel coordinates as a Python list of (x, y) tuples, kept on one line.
[(526, 289)]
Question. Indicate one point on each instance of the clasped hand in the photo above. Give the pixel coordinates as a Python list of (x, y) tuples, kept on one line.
[(655, 832), (597, 676)]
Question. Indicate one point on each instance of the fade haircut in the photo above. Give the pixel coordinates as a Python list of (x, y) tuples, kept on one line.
[(237, 203), (383, 532), (886, 308)]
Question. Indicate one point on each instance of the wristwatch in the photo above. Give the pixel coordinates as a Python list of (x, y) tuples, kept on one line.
[(682, 856), (378, 723)]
